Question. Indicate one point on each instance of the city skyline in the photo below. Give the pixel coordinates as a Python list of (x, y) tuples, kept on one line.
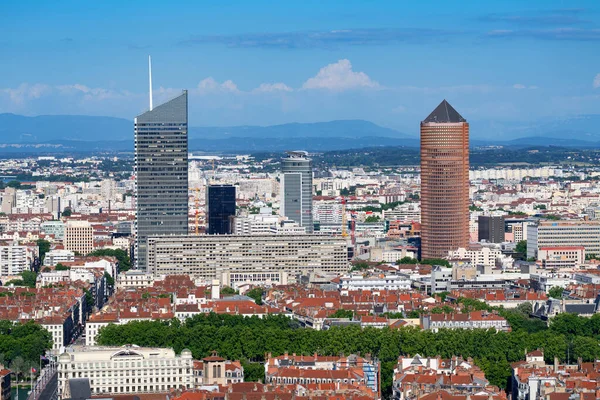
[(502, 61)]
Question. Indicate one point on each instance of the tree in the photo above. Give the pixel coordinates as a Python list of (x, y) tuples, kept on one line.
[(120, 254), (44, 247), (360, 266), (372, 218), (407, 260), (521, 247), (67, 212), (228, 291), (89, 299), (61, 267), (341, 313), (110, 281), (46, 269), (436, 261), (256, 294), (556, 292)]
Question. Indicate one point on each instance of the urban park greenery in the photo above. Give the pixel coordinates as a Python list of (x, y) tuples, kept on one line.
[(250, 338)]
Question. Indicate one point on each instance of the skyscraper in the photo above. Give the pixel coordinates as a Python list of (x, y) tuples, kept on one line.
[(161, 173), (444, 182), (220, 207), (296, 189)]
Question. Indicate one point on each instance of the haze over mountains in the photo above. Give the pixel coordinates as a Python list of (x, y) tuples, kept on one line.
[(87, 133)]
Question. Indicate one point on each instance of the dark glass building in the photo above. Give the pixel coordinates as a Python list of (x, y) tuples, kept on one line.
[(491, 228), (297, 189), (161, 173), (220, 208)]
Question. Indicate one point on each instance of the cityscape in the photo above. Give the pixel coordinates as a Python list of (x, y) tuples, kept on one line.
[(291, 239)]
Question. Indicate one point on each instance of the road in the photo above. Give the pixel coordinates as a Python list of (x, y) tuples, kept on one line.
[(49, 392)]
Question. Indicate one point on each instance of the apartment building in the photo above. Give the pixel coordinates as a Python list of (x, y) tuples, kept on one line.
[(478, 254), (56, 256), (563, 234), (201, 256), (14, 259), (79, 237), (126, 370)]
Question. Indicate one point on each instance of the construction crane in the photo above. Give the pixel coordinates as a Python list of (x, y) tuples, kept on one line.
[(344, 220)]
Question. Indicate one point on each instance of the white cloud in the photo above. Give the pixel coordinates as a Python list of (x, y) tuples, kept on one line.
[(339, 77), (26, 91), (399, 110), (272, 87), (520, 86), (210, 85), (596, 81)]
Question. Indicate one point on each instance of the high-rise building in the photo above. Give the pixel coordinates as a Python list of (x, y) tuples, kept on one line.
[(490, 228), (161, 173), (297, 189), (444, 182), (567, 234), (220, 208), (79, 237)]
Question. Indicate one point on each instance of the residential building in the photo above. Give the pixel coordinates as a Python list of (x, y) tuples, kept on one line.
[(126, 370), (220, 208), (561, 256), (205, 256), (472, 320), (444, 182), (5, 384), (14, 259), (478, 254), (563, 234), (56, 256), (79, 237), (161, 173), (297, 189), (374, 281), (54, 228), (304, 370)]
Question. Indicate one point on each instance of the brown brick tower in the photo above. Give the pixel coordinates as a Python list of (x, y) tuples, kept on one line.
[(444, 182)]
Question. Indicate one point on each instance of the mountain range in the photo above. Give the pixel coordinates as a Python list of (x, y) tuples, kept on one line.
[(47, 133)]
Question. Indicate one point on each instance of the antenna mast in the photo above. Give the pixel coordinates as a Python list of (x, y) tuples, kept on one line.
[(150, 79)]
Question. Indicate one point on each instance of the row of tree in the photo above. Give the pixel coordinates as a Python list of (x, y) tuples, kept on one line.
[(249, 339), (22, 345)]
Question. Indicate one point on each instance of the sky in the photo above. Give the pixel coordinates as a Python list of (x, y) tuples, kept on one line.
[(271, 62)]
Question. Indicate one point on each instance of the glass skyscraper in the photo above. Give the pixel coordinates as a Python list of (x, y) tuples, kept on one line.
[(220, 207), (297, 189), (161, 173)]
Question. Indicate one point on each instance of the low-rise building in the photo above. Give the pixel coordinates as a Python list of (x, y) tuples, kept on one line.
[(472, 320)]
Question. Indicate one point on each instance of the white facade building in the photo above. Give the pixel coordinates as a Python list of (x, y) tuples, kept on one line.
[(126, 370)]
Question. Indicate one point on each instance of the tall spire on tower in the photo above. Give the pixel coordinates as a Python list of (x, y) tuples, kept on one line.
[(150, 79)]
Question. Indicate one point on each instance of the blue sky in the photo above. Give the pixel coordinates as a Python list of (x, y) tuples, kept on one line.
[(270, 62)]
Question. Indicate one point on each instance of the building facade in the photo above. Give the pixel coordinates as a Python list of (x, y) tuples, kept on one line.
[(126, 370), (563, 234), (297, 189), (79, 237), (220, 208), (161, 173), (444, 182), (490, 228), (207, 256)]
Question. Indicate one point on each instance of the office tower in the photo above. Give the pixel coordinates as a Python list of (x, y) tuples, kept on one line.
[(491, 228), (161, 173), (220, 208), (444, 182), (79, 237), (566, 234), (297, 188)]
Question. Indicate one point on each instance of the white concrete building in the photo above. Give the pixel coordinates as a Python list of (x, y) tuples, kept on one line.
[(478, 254), (126, 370), (563, 234), (202, 256), (56, 256), (14, 259), (374, 282)]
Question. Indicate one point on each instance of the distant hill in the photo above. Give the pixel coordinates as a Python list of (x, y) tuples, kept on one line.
[(44, 128), (72, 133)]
